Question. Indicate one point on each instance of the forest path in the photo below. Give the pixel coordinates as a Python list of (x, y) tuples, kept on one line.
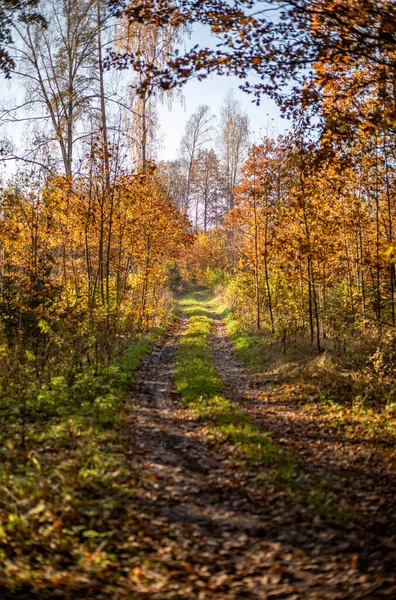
[(217, 532), (358, 472)]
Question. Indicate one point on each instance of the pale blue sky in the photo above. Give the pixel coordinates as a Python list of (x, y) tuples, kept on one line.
[(211, 91)]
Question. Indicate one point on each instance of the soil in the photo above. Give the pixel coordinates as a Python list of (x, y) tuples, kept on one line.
[(219, 531)]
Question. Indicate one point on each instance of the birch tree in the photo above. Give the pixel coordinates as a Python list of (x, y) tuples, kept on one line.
[(60, 67), (198, 133), (233, 142)]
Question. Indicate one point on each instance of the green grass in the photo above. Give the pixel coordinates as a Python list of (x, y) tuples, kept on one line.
[(255, 349), (68, 500), (248, 345), (201, 390)]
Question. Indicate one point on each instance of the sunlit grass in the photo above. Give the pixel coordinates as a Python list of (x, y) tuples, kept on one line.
[(305, 378), (201, 390)]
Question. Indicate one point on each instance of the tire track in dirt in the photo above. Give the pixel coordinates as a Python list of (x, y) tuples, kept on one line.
[(361, 481), (214, 533)]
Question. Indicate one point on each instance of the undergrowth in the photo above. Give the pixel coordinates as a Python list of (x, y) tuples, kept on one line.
[(68, 496), (345, 390)]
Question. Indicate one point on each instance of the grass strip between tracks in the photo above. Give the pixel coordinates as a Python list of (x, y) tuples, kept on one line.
[(201, 390)]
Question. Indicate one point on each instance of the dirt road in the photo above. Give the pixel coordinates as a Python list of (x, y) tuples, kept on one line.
[(219, 531)]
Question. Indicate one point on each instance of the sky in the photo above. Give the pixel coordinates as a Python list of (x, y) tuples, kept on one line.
[(212, 91)]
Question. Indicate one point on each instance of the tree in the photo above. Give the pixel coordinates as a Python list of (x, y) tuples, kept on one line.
[(285, 44), (61, 67), (172, 177), (197, 134), (148, 48), (208, 190), (233, 141), (12, 11), (257, 204)]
